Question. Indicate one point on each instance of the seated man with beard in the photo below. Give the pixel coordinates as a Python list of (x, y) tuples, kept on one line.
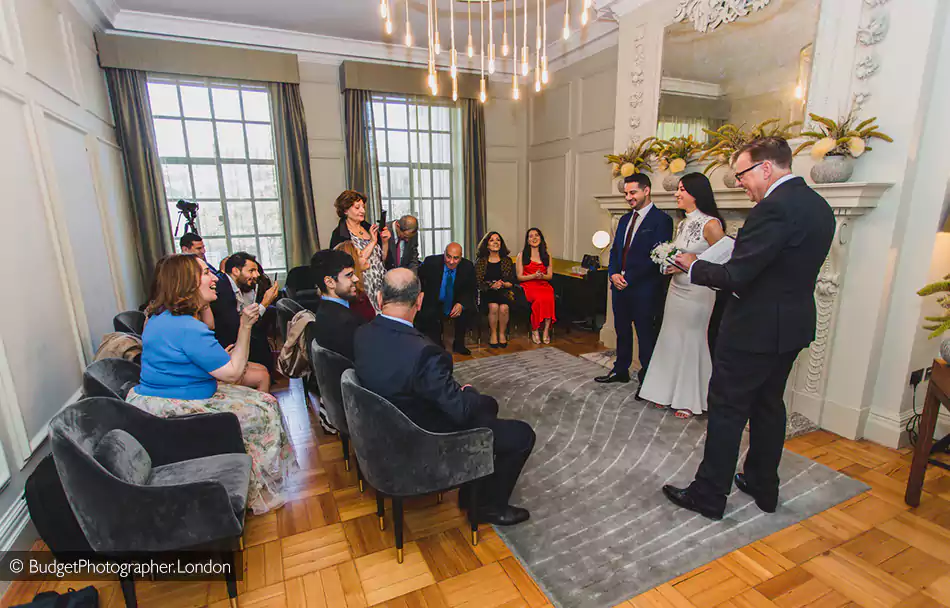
[(234, 295), (397, 361)]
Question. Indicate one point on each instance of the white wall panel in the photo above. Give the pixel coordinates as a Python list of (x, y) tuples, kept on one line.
[(503, 118), (504, 189), (547, 179), (121, 228), (551, 115), (596, 108), (6, 35), (590, 177), (35, 318), (323, 109), (75, 194), (94, 91), (45, 39)]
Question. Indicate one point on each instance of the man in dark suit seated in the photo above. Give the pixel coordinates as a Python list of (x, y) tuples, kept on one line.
[(774, 266), (448, 282), (234, 294), (404, 246), (335, 323), (396, 361)]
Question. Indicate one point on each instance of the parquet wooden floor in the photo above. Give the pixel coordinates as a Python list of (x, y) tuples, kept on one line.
[(324, 548)]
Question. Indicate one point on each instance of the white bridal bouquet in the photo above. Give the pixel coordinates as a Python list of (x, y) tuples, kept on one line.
[(664, 253)]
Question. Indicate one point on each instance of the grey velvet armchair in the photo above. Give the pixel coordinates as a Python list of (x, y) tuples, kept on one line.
[(110, 377), (130, 322), (138, 483), (402, 460)]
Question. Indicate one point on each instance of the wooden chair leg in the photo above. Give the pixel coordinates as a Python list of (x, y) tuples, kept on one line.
[(359, 478), (128, 591), (230, 580), (473, 510), (397, 526), (381, 509)]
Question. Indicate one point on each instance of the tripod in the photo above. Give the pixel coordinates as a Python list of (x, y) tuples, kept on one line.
[(190, 218)]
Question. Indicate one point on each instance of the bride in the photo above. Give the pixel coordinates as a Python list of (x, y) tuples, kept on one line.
[(679, 372)]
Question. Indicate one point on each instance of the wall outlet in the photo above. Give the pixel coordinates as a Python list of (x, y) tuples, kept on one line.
[(916, 376)]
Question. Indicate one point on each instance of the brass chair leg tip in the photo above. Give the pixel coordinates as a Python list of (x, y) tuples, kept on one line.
[(361, 486), (474, 538), (382, 523), (439, 498), (233, 602), (346, 465), (399, 556)]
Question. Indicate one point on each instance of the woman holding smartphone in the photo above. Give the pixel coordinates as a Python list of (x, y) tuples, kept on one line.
[(371, 240)]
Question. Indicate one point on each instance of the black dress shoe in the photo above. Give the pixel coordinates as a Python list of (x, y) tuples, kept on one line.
[(494, 345), (505, 516), (460, 349), (767, 504), (613, 377), (683, 499)]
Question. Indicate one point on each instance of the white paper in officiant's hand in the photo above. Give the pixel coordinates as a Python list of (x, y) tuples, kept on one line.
[(720, 253)]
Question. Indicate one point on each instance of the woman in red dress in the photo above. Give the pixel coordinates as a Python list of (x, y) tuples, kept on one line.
[(534, 273)]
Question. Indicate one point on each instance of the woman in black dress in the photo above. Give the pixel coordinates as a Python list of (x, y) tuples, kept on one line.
[(495, 273)]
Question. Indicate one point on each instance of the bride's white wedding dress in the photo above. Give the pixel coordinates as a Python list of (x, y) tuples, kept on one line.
[(679, 371)]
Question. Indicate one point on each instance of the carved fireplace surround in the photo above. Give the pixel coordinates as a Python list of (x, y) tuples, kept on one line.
[(805, 392)]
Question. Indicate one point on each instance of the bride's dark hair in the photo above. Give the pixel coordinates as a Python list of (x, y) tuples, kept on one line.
[(698, 186)]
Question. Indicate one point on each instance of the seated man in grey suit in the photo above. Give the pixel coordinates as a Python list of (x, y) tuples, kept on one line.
[(397, 361)]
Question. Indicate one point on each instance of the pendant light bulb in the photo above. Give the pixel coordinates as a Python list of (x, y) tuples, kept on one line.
[(431, 81), (515, 94), (438, 44), (471, 47), (584, 17), (504, 44), (408, 38), (567, 32), (491, 64), (483, 94), (455, 90), (389, 27), (537, 86), (544, 76), (383, 12), (524, 67)]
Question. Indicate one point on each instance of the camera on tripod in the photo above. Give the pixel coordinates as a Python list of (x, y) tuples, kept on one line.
[(189, 211)]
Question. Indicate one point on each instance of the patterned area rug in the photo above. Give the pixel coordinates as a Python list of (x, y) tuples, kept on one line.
[(601, 531), (797, 424)]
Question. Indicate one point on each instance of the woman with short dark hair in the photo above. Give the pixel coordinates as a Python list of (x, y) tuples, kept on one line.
[(495, 275), (372, 242), (185, 371)]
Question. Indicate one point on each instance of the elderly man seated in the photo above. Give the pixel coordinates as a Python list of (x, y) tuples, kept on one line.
[(398, 362)]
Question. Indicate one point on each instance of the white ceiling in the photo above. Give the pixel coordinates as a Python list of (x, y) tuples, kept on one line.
[(355, 19)]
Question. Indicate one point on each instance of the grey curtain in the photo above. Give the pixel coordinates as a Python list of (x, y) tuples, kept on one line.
[(474, 168), (362, 169), (301, 240), (135, 133)]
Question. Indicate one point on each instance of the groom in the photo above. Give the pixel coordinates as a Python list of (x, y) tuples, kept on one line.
[(636, 282), (777, 256)]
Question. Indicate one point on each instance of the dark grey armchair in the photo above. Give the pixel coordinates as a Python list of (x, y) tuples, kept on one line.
[(139, 484), (402, 460), (110, 377), (130, 322)]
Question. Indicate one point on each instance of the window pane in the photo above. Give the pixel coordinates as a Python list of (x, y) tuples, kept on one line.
[(399, 182), (443, 238), (425, 155), (381, 154), (210, 219), (265, 181), (227, 103), (396, 116), (171, 140), (272, 252), (246, 244), (163, 99), (414, 146), (206, 181), (413, 121), (441, 183), (195, 102), (398, 147), (384, 182), (200, 139), (241, 217), (236, 184), (443, 213), (423, 115), (422, 182), (379, 114), (177, 181), (441, 148), (440, 119), (215, 251), (268, 217), (256, 105), (427, 237), (260, 141), (425, 213), (399, 208), (231, 139)]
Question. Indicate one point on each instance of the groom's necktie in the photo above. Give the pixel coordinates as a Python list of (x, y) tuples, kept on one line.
[(626, 241), (448, 292)]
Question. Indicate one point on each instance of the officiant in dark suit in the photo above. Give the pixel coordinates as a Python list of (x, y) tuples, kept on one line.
[(774, 266), (448, 282), (636, 284)]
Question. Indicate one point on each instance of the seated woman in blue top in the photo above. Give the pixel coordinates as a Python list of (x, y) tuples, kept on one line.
[(185, 371)]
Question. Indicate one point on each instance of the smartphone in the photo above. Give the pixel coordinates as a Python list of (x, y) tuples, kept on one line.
[(382, 220)]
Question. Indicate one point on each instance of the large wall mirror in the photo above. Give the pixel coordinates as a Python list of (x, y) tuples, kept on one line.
[(755, 68)]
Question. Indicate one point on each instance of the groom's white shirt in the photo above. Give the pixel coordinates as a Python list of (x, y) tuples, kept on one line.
[(771, 189)]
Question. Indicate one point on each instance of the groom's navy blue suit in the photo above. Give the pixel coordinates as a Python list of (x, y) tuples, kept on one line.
[(641, 302)]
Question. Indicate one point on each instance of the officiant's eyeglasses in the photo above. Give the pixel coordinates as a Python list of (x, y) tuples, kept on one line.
[(739, 174)]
